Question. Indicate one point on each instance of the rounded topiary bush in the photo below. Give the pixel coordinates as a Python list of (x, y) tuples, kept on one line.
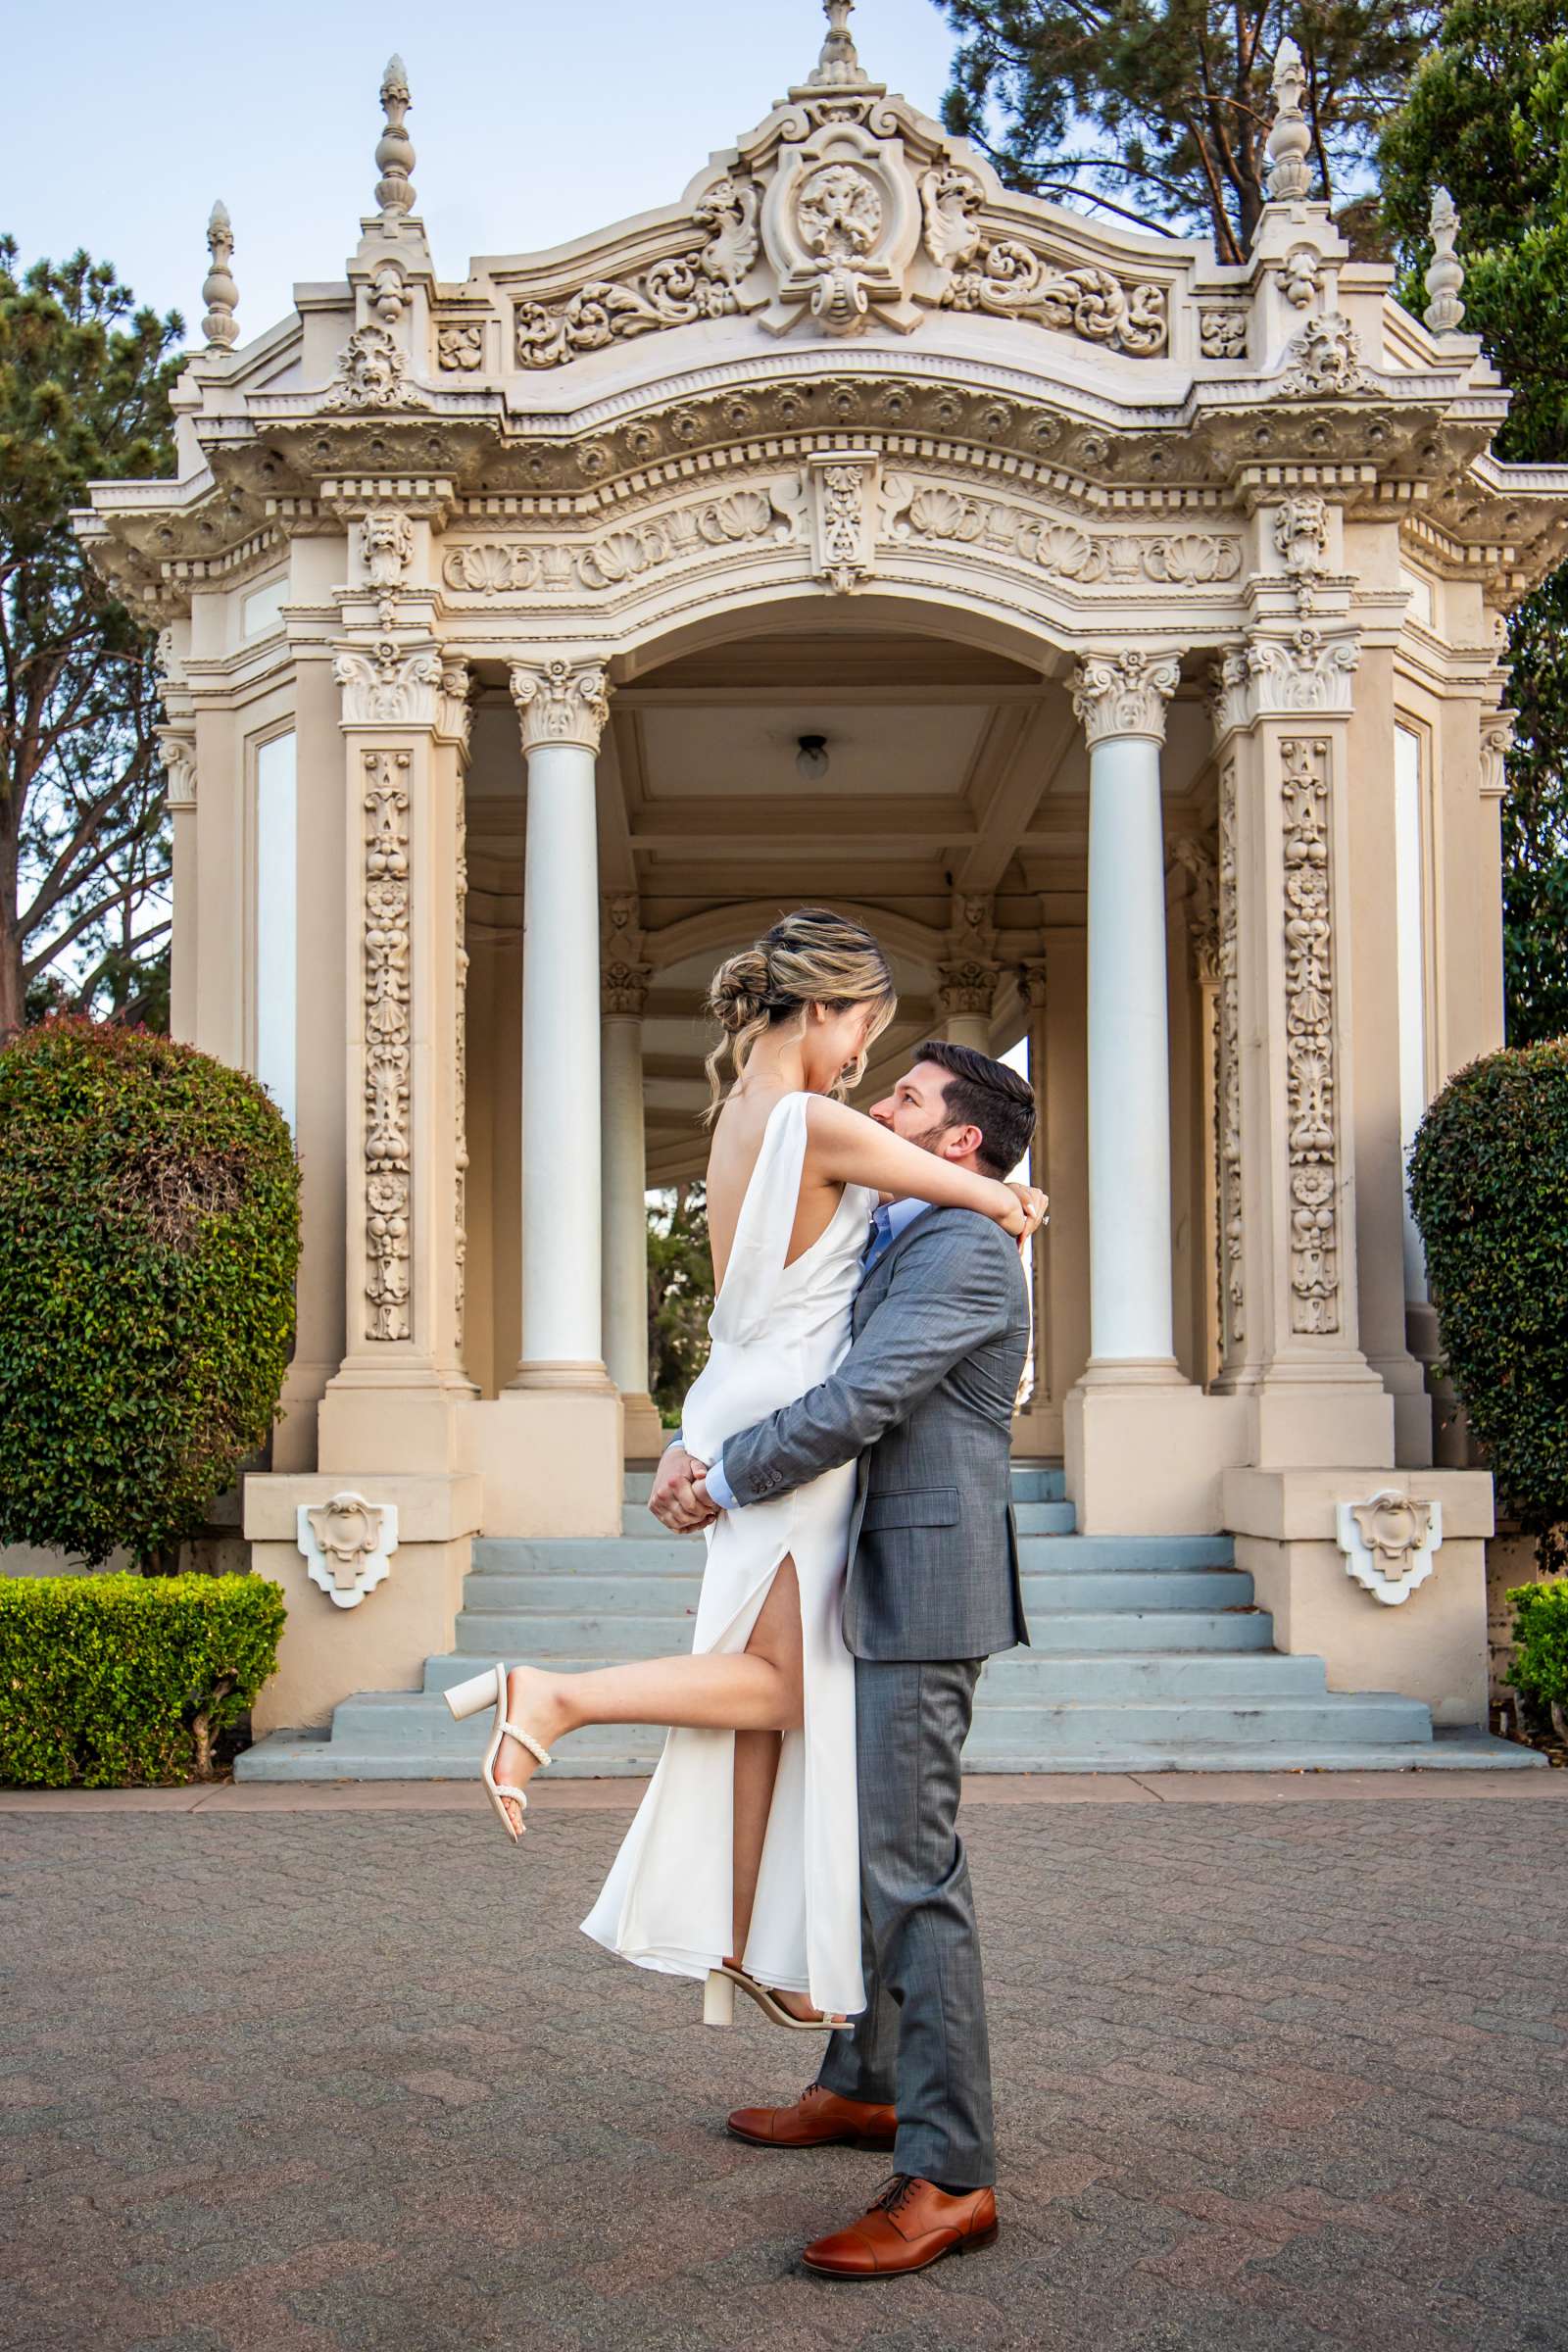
[(1489, 1188), (149, 1236)]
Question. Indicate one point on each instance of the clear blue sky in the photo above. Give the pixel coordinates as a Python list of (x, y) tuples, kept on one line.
[(531, 122)]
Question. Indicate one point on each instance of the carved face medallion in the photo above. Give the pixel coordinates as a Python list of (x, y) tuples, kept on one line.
[(839, 210)]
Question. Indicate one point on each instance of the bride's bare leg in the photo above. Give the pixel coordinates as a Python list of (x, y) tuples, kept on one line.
[(756, 1755), (755, 1689)]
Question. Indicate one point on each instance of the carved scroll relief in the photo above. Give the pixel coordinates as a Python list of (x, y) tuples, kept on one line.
[(1311, 1081), (387, 1046), (844, 506), (1228, 1079)]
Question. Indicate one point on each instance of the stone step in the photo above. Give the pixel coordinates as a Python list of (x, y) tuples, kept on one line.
[(313, 1756), (1033, 1677), (665, 1556), (607, 1600), (1105, 1677), (482, 1636), (1034, 1519), (1032, 1481), (1333, 1719)]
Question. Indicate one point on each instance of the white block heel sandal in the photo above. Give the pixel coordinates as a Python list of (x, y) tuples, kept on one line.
[(467, 1699), (718, 2003)]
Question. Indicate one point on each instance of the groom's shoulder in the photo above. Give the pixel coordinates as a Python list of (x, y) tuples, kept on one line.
[(964, 1232)]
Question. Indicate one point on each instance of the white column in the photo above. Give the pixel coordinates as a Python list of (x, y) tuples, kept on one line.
[(563, 707), (1121, 703)]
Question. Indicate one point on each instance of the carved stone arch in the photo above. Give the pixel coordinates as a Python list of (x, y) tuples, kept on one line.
[(990, 625)]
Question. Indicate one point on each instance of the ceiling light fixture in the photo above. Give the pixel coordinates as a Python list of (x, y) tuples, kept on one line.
[(810, 759)]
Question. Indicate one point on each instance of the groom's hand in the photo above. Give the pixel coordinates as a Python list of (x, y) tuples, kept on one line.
[(676, 1501)]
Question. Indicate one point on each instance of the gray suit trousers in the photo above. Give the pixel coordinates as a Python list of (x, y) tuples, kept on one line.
[(920, 2043)]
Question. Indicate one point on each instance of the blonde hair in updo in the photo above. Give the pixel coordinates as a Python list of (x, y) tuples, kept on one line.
[(811, 957)]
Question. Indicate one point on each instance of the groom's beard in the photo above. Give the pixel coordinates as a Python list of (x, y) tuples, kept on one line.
[(931, 1138)]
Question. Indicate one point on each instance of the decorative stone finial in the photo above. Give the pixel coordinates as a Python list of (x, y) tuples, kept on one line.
[(1290, 139), (219, 290), (837, 66), (1444, 313), (394, 150)]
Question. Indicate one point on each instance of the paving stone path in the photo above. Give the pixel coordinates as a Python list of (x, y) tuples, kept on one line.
[(1279, 2076)]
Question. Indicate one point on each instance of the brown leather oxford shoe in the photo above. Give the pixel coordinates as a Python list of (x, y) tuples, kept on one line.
[(818, 2119), (911, 2225)]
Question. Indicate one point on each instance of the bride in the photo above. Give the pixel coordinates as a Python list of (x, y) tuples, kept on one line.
[(742, 1865)]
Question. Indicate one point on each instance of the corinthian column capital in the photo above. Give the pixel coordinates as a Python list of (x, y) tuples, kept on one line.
[(561, 702), (1124, 694)]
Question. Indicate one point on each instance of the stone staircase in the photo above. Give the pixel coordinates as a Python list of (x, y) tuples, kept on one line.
[(1149, 1655)]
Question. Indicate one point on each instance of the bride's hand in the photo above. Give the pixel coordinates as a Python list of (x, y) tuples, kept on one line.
[(1029, 1211)]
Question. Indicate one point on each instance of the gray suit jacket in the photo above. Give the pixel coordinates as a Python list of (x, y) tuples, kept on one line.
[(924, 1397)]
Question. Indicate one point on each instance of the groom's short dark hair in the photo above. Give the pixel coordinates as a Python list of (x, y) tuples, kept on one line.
[(985, 1094)]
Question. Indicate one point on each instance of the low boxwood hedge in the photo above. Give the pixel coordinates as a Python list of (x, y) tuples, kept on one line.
[(111, 1680), (1540, 1667)]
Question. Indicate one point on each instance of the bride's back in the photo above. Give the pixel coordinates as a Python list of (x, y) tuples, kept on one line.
[(732, 1160)]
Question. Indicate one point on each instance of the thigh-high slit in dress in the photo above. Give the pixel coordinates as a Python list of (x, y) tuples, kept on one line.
[(777, 1330)]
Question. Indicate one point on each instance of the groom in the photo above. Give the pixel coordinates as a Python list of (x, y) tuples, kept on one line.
[(924, 1397)]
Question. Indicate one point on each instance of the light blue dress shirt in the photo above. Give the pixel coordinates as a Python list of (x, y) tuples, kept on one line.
[(888, 1221)]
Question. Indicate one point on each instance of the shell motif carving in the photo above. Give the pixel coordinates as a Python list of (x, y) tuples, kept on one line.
[(501, 568)]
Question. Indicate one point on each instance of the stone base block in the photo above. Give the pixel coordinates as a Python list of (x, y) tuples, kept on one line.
[(1148, 1459), (553, 1460), (644, 1435), (1321, 1422), (363, 1424), (329, 1652), (1432, 1644), (1038, 1435)]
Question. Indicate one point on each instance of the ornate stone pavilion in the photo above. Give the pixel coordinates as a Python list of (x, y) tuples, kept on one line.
[(1116, 630)]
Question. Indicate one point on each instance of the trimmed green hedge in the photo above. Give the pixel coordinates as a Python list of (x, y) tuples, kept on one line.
[(1541, 1659), (1489, 1188), (149, 1236), (110, 1679)]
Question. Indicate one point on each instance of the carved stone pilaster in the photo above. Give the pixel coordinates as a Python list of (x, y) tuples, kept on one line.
[(387, 1046), (559, 701), (623, 974), (390, 686), (178, 750), (1032, 984), (1310, 1052), (461, 1070), (1497, 742), (969, 978), (1196, 860), (1124, 694), (844, 487), (1278, 678), (1230, 1273)]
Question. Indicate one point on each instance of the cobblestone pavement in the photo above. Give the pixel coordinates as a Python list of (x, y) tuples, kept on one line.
[(1267, 2076)]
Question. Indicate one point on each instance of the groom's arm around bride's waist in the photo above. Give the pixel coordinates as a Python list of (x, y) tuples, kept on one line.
[(955, 1286)]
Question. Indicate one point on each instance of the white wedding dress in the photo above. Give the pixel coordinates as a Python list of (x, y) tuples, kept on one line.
[(777, 1330)]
